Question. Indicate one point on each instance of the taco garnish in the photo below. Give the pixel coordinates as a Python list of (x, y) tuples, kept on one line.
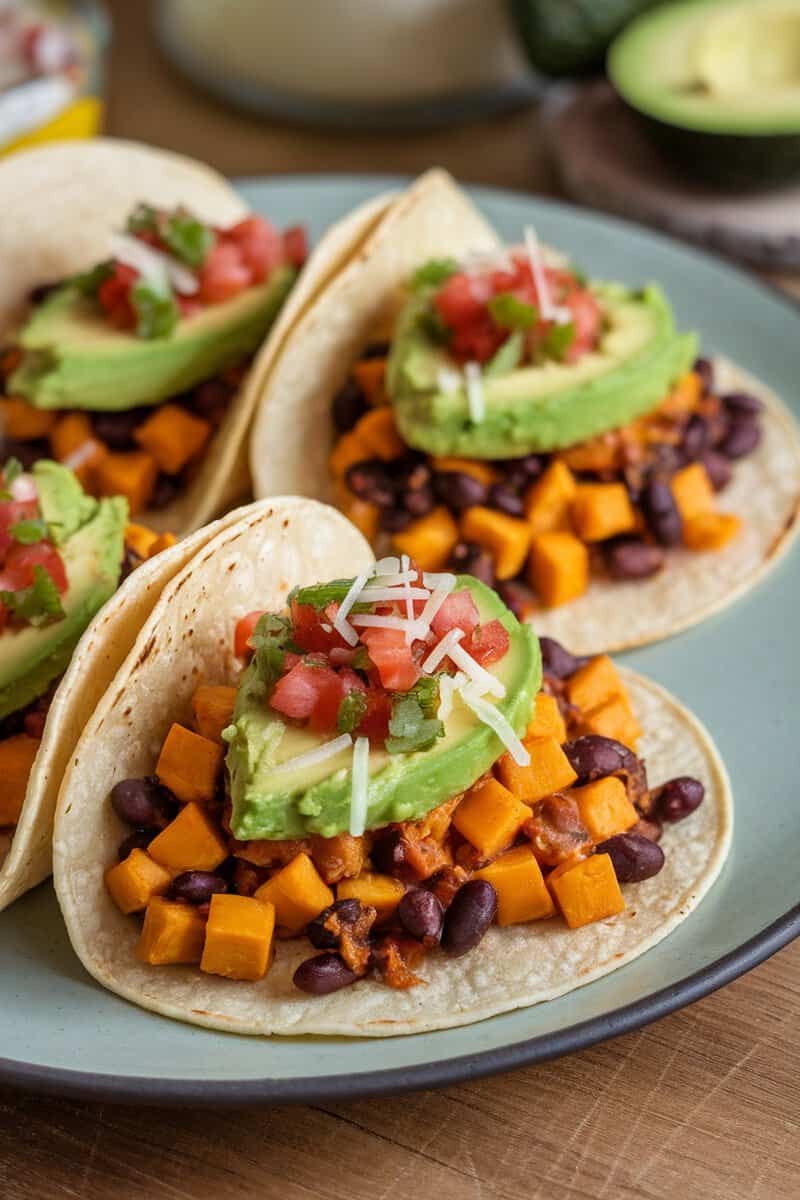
[(387, 780)]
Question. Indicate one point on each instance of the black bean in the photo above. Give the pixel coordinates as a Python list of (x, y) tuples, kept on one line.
[(593, 757), (142, 802), (632, 558), (209, 398), (421, 915), (324, 939), (395, 520), (668, 459), (741, 402), (376, 350), (470, 914), (661, 512), (649, 827), (695, 437), (323, 974), (519, 472), (165, 490), (557, 660), (371, 480), (506, 499), (413, 474), (116, 428), (349, 404), (703, 368), (468, 558), (634, 857), (418, 501), (197, 887), (678, 797), (742, 437), (518, 597), (140, 839), (26, 452), (717, 468), (458, 490)]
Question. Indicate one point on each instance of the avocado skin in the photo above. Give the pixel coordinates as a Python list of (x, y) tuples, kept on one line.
[(409, 786), (120, 371), (30, 659), (440, 425), (570, 37)]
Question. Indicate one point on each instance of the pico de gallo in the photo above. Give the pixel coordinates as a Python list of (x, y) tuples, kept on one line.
[(374, 670)]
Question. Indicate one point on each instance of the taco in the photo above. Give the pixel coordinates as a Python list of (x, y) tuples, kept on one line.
[(137, 359), (490, 410), (371, 805)]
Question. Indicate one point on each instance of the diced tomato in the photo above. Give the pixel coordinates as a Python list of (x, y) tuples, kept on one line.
[(462, 299), (260, 245), (3, 616), (245, 628), (18, 571), (188, 305), (477, 341), (114, 295), (587, 318), (309, 693), (314, 631), (11, 513), (375, 722), (295, 245), (224, 273), (488, 643), (351, 681), (459, 610), (392, 657)]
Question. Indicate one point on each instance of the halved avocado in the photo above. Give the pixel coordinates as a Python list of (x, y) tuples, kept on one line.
[(717, 85), (570, 37), (73, 358)]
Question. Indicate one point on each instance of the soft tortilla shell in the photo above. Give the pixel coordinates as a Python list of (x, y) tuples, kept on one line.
[(187, 640)]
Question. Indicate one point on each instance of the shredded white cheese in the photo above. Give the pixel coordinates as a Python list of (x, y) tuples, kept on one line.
[(376, 621), (405, 565), (440, 652), (313, 758), (491, 716), (394, 594), (549, 309), (359, 787), (153, 264), (341, 624), (482, 680), (397, 579), (448, 686), (436, 600), (475, 395), (386, 566)]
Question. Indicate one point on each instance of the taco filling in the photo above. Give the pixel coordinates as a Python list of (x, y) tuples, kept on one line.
[(127, 372), (537, 431), (62, 555), (398, 769)]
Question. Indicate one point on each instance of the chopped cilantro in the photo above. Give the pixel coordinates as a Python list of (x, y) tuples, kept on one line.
[(432, 326), (409, 728), (508, 312), (426, 692), (270, 641), (39, 604), (320, 595), (187, 238), (351, 711), (508, 357), (89, 282), (143, 219), (559, 340), (157, 312), (29, 532), (433, 273), (11, 471)]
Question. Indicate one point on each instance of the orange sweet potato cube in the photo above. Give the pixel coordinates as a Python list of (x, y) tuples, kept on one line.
[(602, 510), (490, 817), (594, 683), (711, 531), (378, 431), (17, 756), (381, 891), (139, 539), (136, 880), (605, 808), (19, 419), (548, 500), (239, 935), (365, 516), (370, 375), (189, 764), (72, 442), (172, 933), (213, 709), (131, 474), (587, 891), (558, 569), (429, 542), (613, 718), (476, 468), (522, 893), (191, 842), (506, 538), (547, 720), (297, 892), (173, 437), (693, 491), (548, 771)]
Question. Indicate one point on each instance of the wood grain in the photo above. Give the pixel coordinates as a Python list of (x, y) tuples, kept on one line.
[(704, 1105)]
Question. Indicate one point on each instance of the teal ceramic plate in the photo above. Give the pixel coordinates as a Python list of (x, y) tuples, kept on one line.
[(739, 672)]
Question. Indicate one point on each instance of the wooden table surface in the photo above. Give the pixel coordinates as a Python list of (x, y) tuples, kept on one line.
[(704, 1105)]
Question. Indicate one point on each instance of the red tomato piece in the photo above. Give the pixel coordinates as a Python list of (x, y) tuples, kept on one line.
[(392, 657), (462, 299), (224, 273), (488, 643), (314, 631), (587, 319), (21, 561), (260, 244), (295, 245), (309, 692), (114, 296), (11, 513), (375, 722), (459, 610), (245, 628)]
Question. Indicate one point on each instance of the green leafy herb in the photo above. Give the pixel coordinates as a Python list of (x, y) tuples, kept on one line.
[(11, 471), (88, 283), (271, 639), (508, 312), (409, 728), (143, 219), (361, 660), (320, 595), (29, 532), (188, 239), (351, 711), (558, 340), (426, 693), (432, 326), (157, 312), (433, 273), (508, 357), (39, 604)]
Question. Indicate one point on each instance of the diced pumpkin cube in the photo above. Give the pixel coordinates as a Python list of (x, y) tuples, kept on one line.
[(522, 893), (548, 771), (490, 817), (18, 419), (711, 531), (558, 570), (139, 539), (173, 437), (602, 510), (377, 430), (191, 842), (605, 808), (212, 706), (693, 491), (370, 375), (17, 756), (133, 882), (298, 893), (189, 764), (348, 451), (506, 538), (586, 891), (239, 934), (685, 395), (484, 472), (594, 683), (548, 500), (73, 443), (131, 474), (547, 720), (365, 516), (163, 542), (381, 891), (430, 541), (599, 453), (172, 933), (614, 719)]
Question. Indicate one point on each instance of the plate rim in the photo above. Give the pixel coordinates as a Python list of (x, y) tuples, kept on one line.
[(172, 1091)]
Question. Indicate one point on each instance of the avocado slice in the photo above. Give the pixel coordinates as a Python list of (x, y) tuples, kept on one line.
[(546, 407), (74, 359), (402, 787), (90, 535), (716, 84)]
